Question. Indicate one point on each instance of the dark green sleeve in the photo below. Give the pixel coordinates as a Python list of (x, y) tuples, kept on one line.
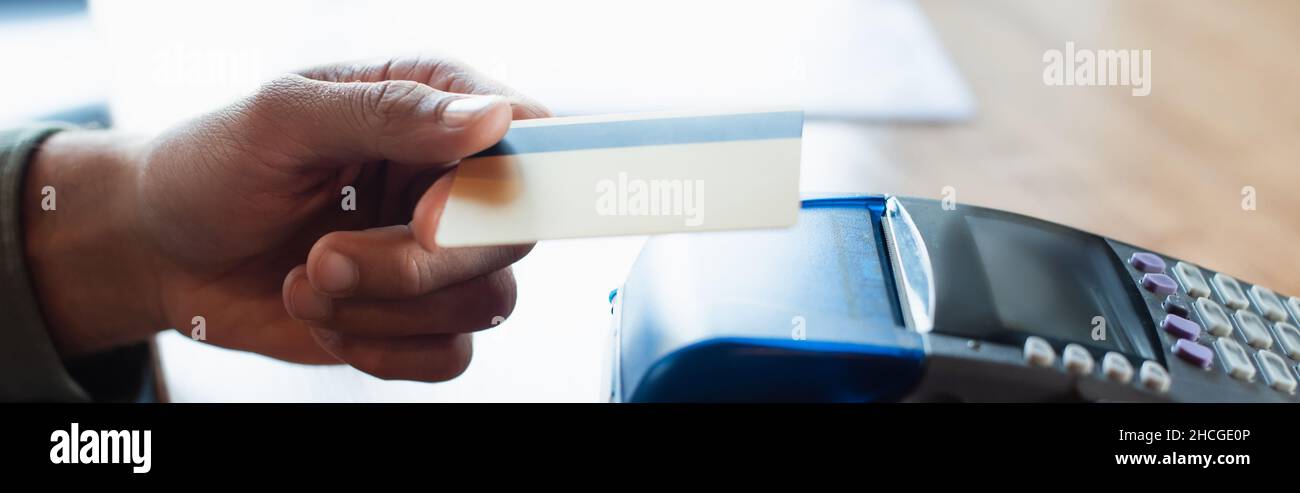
[(30, 368)]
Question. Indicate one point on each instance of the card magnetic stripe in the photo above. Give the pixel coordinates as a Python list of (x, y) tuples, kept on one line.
[(659, 131)]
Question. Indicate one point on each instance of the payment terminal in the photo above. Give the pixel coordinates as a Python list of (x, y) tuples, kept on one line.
[(882, 298)]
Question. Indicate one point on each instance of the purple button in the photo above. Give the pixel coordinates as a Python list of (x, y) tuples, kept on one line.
[(1147, 262), (1181, 328), (1159, 283), (1194, 353)]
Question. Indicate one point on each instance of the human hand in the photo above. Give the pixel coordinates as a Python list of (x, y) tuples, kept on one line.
[(238, 217)]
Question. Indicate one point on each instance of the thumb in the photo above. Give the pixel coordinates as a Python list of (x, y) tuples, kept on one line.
[(396, 120)]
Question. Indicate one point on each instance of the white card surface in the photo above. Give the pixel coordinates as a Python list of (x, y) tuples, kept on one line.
[(628, 174)]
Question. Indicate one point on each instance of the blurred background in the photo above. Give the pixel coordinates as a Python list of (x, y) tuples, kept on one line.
[(905, 97)]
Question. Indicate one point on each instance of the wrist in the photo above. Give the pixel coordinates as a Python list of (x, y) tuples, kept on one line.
[(89, 260)]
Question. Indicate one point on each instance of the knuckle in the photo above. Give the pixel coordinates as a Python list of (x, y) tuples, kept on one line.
[(447, 63), (393, 99), (454, 75), (278, 95), (481, 303), (377, 368), (384, 372), (378, 364), (453, 361), (415, 276), (438, 363), (500, 293), (439, 65)]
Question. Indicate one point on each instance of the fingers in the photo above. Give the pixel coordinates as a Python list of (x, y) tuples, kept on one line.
[(428, 211), (440, 73), (470, 306), (423, 338), (401, 261), (327, 123), (429, 358), (396, 288), (388, 263), (382, 281)]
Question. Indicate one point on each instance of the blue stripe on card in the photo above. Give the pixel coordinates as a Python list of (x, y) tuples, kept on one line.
[(657, 131)]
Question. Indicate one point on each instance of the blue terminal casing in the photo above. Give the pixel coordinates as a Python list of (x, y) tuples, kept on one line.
[(722, 320)]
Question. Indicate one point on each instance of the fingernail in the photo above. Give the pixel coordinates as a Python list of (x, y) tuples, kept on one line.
[(307, 304), (336, 273), (463, 111)]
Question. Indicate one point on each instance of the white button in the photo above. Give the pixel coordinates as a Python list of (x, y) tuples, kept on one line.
[(1236, 359), (1154, 377), (1230, 291), (1294, 304), (1254, 329), (1077, 360), (1116, 367), (1290, 337), (1192, 279), (1268, 303), (1276, 373), (1213, 317), (1038, 352)]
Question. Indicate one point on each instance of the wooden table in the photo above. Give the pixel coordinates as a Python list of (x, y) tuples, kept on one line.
[(1165, 171)]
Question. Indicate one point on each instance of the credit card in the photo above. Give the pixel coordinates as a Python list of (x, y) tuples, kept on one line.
[(654, 173)]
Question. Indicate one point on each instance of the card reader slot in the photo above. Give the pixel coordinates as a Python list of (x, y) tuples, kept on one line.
[(910, 263)]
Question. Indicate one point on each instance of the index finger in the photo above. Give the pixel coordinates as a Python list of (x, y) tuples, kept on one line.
[(440, 73)]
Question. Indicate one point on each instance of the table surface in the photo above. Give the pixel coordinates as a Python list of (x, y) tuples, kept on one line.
[(1165, 172)]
